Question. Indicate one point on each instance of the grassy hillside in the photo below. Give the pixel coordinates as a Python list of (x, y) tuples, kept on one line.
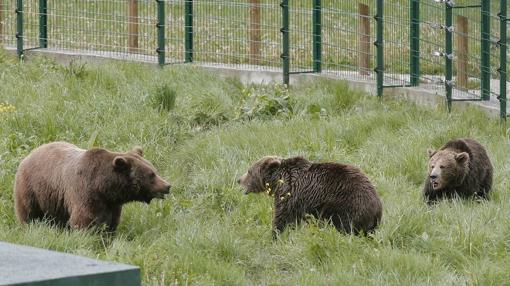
[(207, 232)]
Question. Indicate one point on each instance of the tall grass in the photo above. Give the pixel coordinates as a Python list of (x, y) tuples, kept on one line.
[(208, 232)]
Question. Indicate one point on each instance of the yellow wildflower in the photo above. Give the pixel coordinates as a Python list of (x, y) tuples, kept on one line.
[(6, 107)]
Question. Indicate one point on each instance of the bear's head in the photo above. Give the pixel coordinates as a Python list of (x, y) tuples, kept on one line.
[(256, 180), (142, 178), (447, 168)]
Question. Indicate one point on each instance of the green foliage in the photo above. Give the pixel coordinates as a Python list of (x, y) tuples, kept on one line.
[(207, 232), (75, 69), (164, 98), (266, 103)]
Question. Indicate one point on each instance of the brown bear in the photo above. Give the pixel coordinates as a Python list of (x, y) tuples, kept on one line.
[(461, 168), (337, 192), (83, 188)]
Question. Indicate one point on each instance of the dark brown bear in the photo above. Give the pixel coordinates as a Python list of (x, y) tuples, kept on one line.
[(461, 168), (337, 192), (71, 186)]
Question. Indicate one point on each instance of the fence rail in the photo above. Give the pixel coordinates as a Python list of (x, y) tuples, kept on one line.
[(458, 49)]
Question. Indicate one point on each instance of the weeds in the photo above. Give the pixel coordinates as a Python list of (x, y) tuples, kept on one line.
[(266, 103), (75, 69), (163, 98)]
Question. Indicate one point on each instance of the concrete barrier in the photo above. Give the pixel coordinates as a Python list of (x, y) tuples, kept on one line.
[(23, 265)]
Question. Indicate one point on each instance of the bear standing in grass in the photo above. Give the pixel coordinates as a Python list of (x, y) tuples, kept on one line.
[(460, 168), (339, 192), (82, 188)]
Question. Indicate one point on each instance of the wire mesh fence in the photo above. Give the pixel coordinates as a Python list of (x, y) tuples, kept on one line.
[(7, 23), (457, 49), (99, 27), (348, 36), (431, 44), (239, 33), (466, 18), (396, 23)]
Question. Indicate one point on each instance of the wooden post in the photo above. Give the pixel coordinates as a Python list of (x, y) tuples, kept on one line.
[(255, 38), (133, 26), (364, 39), (462, 53)]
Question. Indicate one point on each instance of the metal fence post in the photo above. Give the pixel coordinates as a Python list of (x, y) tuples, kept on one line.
[(285, 41), (161, 32), (379, 43), (415, 42), (317, 36), (503, 42), (448, 54), (19, 28), (485, 57), (188, 23), (43, 23)]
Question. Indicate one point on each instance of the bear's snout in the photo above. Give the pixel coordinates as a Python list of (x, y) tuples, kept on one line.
[(162, 189), (241, 179), (434, 180), (166, 189)]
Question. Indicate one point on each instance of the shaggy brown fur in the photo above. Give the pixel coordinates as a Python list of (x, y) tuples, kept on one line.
[(71, 186), (460, 168), (337, 192)]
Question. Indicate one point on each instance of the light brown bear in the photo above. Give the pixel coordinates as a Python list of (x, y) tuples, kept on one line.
[(331, 191), (461, 168), (83, 188)]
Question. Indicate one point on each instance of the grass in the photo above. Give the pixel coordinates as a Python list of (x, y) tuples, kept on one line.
[(208, 232)]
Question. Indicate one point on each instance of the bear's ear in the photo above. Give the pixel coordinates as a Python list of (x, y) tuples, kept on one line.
[(121, 164), (462, 157), (138, 150), (431, 152), (272, 162)]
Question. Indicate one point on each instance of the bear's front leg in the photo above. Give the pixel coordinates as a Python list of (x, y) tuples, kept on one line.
[(81, 218), (279, 220), (429, 195), (278, 227), (284, 214), (115, 218), (99, 216)]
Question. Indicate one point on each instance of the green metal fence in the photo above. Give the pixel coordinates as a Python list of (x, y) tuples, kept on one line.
[(459, 49)]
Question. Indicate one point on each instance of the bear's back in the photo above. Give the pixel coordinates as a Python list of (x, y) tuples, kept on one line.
[(349, 192), (52, 158), (50, 166), (344, 185), (477, 153), (340, 177), (467, 145)]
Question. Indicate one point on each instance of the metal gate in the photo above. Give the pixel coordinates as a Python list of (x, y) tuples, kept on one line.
[(301, 37), (454, 46)]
